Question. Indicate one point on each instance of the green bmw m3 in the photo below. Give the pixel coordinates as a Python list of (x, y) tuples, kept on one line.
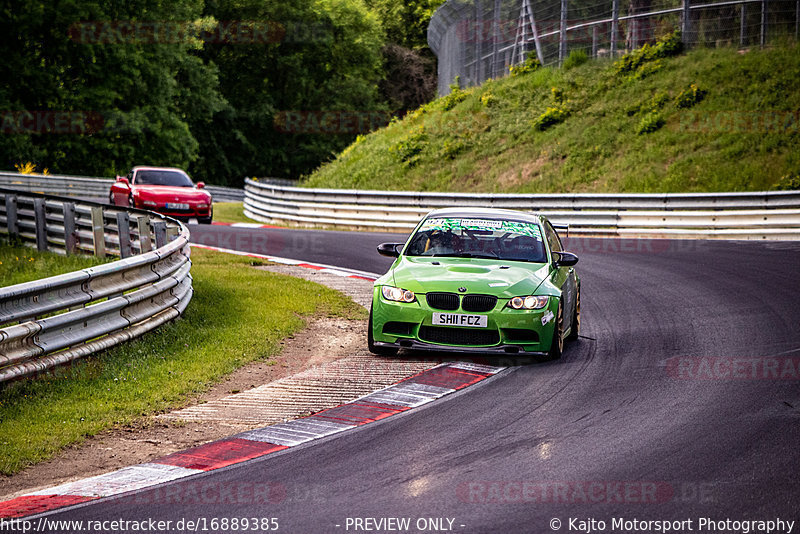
[(475, 280)]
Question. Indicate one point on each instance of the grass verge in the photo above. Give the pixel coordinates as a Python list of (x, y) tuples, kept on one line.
[(238, 314), (708, 120), (230, 212), (19, 263)]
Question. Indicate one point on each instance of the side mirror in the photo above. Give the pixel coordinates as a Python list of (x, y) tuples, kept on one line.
[(201, 185), (123, 180), (565, 259), (388, 249)]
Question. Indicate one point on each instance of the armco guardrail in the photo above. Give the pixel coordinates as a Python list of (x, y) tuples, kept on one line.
[(49, 322), (89, 187), (759, 215)]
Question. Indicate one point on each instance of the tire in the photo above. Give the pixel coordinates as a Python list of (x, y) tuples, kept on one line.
[(131, 203), (575, 328), (379, 351), (206, 220), (557, 345)]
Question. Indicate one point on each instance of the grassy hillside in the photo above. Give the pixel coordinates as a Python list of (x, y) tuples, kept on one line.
[(707, 120)]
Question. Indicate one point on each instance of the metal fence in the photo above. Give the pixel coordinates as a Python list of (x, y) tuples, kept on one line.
[(90, 187), (479, 39), (49, 322), (760, 215)]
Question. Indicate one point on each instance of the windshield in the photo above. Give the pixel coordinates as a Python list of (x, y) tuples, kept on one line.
[(154, 177), (478, 238)]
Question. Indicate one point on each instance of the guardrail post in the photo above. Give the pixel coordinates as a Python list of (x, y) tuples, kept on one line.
[(562, 34), (594, 41), (70, 243), (124, 233), (160, 231), (763, 23), (98, 232), (11, 215), (143, 225), (40, 218), (614, 25), (172, 232)]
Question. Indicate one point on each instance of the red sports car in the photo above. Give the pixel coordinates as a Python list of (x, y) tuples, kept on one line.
[(163, 189)]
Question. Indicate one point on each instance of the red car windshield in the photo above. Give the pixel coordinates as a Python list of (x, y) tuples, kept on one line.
[(154, 177)]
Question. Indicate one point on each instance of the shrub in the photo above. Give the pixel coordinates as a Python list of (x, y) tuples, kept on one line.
[(409, 148), (452, 148), (531, 64), (575, 58), (488, 100), (25, 168), (551, 116), (633, 61), (448, 102), (690, 96), (653, 105), (647, 69), (650, 123), (789, 182)]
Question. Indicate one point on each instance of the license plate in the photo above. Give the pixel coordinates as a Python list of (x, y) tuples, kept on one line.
[(173, 206), (460, 319)]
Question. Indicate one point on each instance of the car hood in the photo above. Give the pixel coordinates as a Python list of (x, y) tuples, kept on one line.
[(167, 193), (504, 279)]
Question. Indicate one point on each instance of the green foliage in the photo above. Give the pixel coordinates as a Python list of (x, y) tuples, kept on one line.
[(575, 59), (452, 148), (690, 96), (635, 63), (128, 103), (531, 64), (488, 99), (551, 116), (207, 105), (405, 23), (19, 263), (448, 101), (409, 148), (789, 182), (598, 149), (650, 123), (328, 60), (652, 105)]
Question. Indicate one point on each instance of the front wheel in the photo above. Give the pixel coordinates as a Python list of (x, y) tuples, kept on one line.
[(380, 351), (557, 346)]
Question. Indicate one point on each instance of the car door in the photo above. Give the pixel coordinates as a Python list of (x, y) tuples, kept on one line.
[(562, 277)]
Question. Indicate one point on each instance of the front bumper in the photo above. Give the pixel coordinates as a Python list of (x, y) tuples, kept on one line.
[(182, 215), (508, 331)]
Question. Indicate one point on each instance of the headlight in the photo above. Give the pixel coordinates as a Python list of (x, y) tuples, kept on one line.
[(149, 203), (397, 294), (528, 303), (202, 206)]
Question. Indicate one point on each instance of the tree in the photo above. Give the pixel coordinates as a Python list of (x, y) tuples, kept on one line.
[(314, 56), (85, 95)]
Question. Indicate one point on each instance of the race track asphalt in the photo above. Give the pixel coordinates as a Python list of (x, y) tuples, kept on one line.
[(669, 407)]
